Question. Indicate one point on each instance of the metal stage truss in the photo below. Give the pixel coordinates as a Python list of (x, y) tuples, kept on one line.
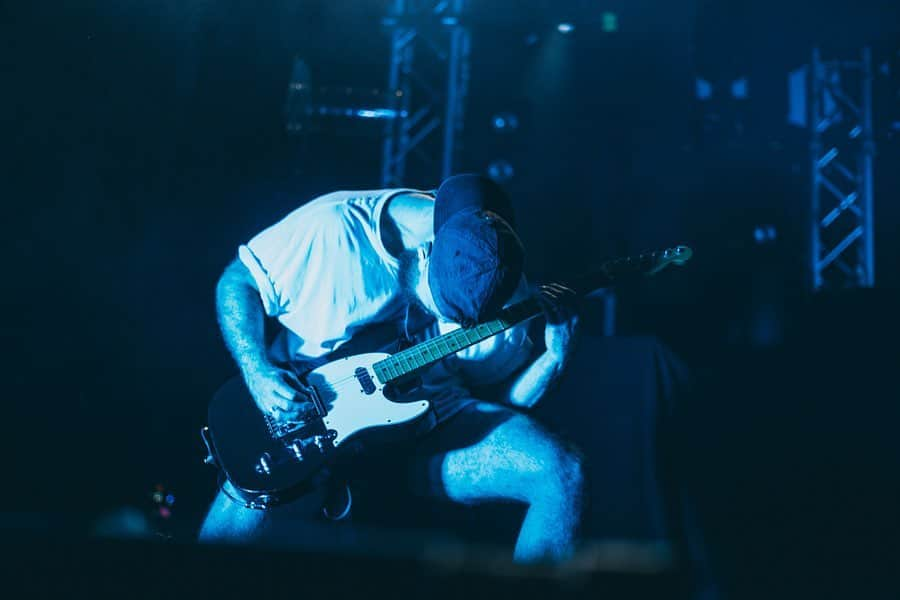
[(427, 38), (841, 154)]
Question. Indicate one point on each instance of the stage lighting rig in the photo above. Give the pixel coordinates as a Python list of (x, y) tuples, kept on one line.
[(838, 96)]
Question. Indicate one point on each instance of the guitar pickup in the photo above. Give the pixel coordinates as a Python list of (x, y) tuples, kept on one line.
[(365, 380)]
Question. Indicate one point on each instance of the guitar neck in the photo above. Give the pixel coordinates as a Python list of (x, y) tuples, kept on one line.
[(420, 356)]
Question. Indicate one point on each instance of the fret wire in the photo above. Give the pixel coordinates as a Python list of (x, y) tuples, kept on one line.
[(409, 360), (460, 343)]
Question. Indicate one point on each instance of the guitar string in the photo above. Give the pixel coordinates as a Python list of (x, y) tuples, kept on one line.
[(350, 378)]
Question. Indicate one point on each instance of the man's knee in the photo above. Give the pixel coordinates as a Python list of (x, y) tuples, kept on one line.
[(560, 474), (569, 472)]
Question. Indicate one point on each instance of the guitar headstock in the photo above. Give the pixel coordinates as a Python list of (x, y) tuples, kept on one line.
[(629, 267), (677, 256)]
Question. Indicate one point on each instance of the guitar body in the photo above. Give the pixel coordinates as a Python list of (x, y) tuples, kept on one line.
[(269, 463)]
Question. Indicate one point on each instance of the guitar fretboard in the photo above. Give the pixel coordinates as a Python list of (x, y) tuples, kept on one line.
[(412, 360)]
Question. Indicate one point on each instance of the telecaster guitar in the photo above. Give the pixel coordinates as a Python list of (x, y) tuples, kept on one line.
[(269, 462)]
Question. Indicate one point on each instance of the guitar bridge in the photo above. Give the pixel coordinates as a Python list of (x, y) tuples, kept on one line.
[(279, 429)]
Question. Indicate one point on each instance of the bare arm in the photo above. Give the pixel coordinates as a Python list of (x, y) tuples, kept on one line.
[(532, 383), (242, 320), (559, 336)]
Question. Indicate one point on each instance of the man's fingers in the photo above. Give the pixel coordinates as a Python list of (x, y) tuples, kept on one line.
[(557, 302), (283, 391), (553, 312), (557, 293), (292, 379)]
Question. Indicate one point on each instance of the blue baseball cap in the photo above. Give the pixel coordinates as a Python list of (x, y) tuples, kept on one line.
[(477, 259)]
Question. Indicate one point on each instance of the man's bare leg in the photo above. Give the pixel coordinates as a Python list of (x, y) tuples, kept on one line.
[(520, 460), (230, 521)]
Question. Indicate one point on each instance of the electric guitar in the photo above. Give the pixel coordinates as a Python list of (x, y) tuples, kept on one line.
[(268, 462)]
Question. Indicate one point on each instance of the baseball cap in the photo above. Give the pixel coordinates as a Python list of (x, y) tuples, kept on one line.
[(476, 258)]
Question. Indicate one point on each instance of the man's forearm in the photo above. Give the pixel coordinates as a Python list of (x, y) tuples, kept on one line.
[(532, 383), (242, 321)]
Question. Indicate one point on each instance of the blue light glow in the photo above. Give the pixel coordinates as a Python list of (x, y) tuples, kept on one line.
[(703, 89), (376, 113), (565, 28), (610, 22), (740, 88)]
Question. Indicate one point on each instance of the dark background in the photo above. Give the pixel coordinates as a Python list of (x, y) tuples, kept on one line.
[(145, 141)]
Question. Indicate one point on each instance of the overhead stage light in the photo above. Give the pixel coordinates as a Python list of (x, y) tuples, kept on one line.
[(500, 170), (505, 122)]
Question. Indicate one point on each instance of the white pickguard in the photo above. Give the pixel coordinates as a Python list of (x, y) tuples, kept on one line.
[(350, 409)]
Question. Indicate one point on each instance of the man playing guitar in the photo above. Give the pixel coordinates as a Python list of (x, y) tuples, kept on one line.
[(350, 260)]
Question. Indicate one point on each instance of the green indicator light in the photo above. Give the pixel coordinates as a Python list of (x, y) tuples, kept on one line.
[(610, 22)]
